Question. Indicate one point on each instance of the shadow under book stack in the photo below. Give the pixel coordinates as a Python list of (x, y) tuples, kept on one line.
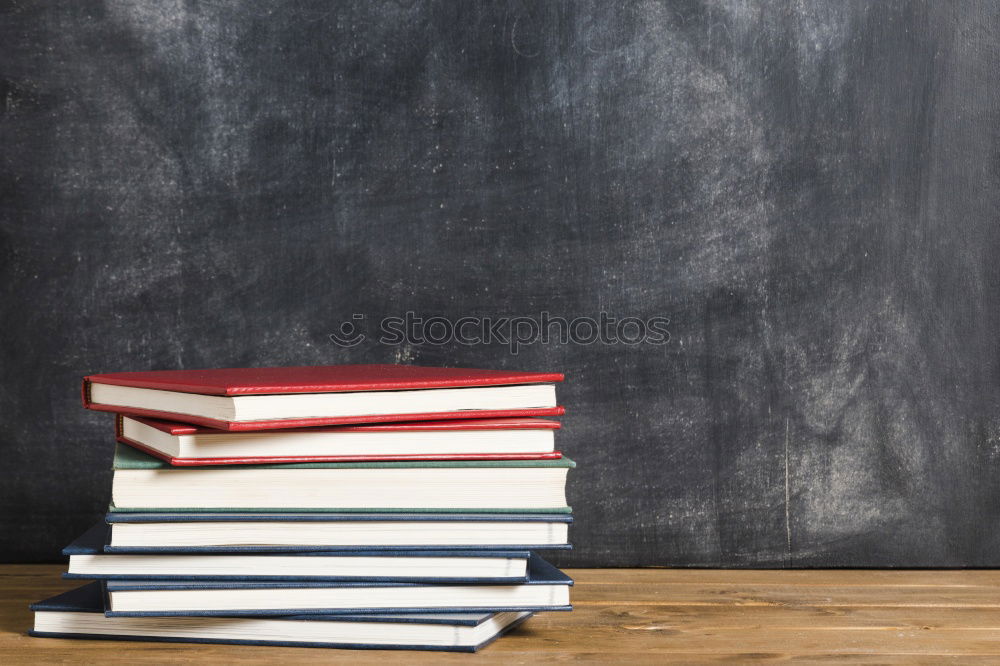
[(358, 506)]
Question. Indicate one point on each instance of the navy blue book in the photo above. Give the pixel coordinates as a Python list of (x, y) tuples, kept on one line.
[(285, 532), (87, 559), (79, 613), (547, 588)]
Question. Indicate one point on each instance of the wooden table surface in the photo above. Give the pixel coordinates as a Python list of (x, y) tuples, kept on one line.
[(635, 615)]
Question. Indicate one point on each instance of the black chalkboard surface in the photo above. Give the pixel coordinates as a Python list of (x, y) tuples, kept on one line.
[(807, 192)]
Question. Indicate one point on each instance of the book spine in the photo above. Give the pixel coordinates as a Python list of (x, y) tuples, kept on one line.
[(85, 392)]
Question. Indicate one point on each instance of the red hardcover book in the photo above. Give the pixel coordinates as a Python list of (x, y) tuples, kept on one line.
[(183, 445), (239, 399)]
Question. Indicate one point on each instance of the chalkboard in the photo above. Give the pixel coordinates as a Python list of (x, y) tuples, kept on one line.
[(806, 192)]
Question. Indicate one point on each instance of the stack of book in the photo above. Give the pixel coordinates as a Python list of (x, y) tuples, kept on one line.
[(363, 506)]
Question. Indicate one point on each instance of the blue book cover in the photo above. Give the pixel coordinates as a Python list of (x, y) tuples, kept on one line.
[(92, 544), (552, 520), (551, 592), (223, 517), (460, 632)]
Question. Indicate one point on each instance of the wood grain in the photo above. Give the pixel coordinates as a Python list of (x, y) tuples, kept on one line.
[(642, 616)]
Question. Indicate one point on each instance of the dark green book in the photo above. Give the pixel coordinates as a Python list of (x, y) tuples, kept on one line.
[(144, 483)]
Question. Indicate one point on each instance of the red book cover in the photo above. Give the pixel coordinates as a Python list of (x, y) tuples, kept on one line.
[(175, 428), (319, 379), (235, 382)]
